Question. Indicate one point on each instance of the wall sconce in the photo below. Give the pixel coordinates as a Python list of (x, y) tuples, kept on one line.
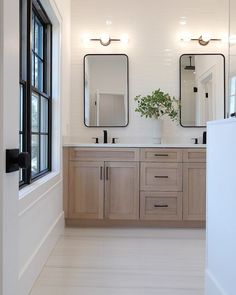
[(106, 40), (203, 40)]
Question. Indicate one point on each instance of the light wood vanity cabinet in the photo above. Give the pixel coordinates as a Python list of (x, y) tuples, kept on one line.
[(145, 184), (194, 185), (162, 155), (161, 205), (161, 184), (103, 184), (86, 188), (122, 190), (161, 176)]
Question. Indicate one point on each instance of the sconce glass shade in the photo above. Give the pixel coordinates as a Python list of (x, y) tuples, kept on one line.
[(186, 37), (206, 37), (85, 38), (105, 39), (202, 42), (124, 39), (232, 39)]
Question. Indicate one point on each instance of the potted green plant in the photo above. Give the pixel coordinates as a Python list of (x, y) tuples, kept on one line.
[(157, 105)]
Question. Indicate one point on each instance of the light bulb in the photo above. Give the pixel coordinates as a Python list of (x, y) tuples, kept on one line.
[(186, 36), (124, 39), (232, 39), (105, 39), (85, 38), (206, 37)]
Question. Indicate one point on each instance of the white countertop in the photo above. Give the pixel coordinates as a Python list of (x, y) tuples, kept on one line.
[(134, 145), (223, 121)]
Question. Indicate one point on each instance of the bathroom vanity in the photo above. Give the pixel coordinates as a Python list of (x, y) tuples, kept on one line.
[(135, 184)]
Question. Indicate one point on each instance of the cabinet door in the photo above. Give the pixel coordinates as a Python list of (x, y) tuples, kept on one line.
[(194, 191), (122, 190), (86, 190)]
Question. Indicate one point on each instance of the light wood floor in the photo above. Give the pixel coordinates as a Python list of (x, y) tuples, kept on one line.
[(125, 262)]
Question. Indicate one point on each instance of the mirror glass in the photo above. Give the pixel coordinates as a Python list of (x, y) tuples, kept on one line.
[(202, 89), (106, 90)]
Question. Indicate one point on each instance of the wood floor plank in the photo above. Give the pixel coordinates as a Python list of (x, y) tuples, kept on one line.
[(125, 261), (111, 291)]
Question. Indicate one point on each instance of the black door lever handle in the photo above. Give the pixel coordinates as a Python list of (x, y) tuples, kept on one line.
[(16, 160)]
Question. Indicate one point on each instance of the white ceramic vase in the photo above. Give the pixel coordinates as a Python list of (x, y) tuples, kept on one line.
[(157, 130)]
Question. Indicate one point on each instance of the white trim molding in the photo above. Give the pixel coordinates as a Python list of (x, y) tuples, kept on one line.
[(30, 271)]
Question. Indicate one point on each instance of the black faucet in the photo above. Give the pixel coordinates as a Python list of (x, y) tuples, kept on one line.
[(104, 136), (204, 139)]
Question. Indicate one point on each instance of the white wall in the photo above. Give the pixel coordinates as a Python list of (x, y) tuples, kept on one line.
[(154, 49), (9, 93), (1, 139), (233, 36), (221, 203), (64, 7), (232, 66), (41, 216)]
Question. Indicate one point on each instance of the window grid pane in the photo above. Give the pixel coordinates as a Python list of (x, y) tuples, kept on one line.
[(44, 115), (21, 108), (43, 152), (35, 113), (39, 32), (35, 154), (38, 58), (40, 134), (21, 150), (33, 70), (33, 32)]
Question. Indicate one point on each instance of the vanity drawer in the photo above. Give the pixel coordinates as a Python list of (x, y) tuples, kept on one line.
[(104, 154), (161, 155), (194, 156), (160, 206), (161, 176)]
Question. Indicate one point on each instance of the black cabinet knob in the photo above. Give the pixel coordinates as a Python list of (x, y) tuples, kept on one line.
[(16, 160), (24, 160)]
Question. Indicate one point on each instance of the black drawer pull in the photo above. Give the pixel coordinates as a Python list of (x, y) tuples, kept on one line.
[(161, 176), (101, 173), (107, 173), (161, 155), (161, 206)]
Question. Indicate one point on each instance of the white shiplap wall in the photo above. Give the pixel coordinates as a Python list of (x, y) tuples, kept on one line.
[(154, 50)]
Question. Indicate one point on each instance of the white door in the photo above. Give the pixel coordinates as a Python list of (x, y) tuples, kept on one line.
[(9, 109)]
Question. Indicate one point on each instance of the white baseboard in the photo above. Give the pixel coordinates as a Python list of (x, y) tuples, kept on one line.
[(212, 285), (32, 269)]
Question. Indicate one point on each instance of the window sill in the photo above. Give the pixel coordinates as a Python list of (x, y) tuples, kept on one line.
[(33, 193), (25, 191)]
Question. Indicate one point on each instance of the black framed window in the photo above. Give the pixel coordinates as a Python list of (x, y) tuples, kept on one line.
[(35, 89)]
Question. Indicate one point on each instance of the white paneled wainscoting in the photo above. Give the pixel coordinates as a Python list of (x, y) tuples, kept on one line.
[(41, 221)]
